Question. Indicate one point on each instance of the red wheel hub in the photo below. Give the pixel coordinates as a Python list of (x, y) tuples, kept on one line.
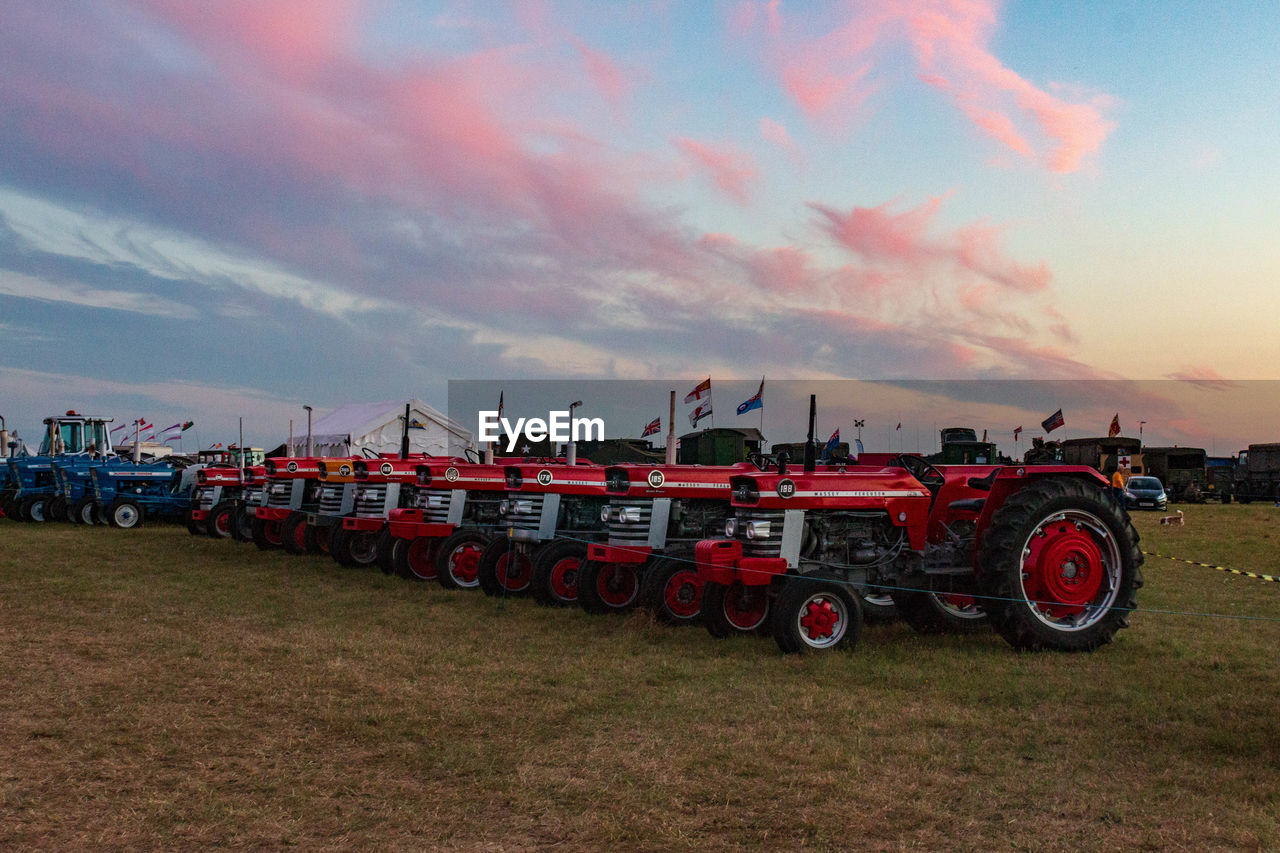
[(421, 557), (819, 619), (300, 536), (617, 584), (272, 533), (564, 578), (222, 523), (464, 563), (1064, 570), (683, 593), (514, 571), (745, 607)]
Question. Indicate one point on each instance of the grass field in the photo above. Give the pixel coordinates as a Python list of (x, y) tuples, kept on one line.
[(169, 692)]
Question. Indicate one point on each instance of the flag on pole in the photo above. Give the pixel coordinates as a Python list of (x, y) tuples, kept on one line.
[(143, 425), (1114, 429), (1016, 430), (652, 428), (702, 389), (501, 394), (899, 426), (122, 426), (1052, 422), (858, 443), (188, 425), (756, 402), (177, 426), (832, 443), (702, 410)]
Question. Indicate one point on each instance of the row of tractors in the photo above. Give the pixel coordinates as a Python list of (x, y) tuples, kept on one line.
[(796, 549)]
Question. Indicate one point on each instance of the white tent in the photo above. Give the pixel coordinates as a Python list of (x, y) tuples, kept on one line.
[(348, 430)]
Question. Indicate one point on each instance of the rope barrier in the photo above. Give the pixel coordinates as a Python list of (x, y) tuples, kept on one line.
[(1240, 572)]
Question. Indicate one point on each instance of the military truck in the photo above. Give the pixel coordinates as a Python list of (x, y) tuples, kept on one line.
[(1257, 474), (1181, 470)]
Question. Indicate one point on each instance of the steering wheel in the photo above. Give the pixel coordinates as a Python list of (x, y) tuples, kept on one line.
[(923, 470), (759, 460)]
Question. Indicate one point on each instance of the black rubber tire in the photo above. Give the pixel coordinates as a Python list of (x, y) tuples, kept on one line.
[(220, 521), (672, 591), (358, 549), (733, 610), (8, 505), (1002, 567), (386, 551), (56, 508), (802, 596), (266, 535), (242, 524), (608, 587), (932, 613), (85, 512), (458, 544), (33, 507), (194, 527), (337, 539), (1226, 499), (878, 606), (556, 569), (125, 514), (416, 558), (505, 569), (293, 534)]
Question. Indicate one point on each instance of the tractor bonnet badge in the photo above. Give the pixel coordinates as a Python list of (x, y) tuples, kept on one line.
[(656, 479), (786, 488), (544, 477), (344, 470), (386, 467), (292, 466), (451, 474)]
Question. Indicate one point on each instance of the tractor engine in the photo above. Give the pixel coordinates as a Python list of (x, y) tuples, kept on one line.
[(851, 539)]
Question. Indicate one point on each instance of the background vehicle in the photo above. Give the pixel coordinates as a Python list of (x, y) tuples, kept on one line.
[(1181, 470), (1258, 473), (1145, 492)]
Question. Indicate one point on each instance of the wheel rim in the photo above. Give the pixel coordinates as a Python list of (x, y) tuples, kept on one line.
[(822, 620), (37, 510), (322, 540), (300, 536), (222, 524), (419, 559), (464, 564), (617, 584), (958, 605), (125, 516), (878, 599), (271, 530), (564, 579), (745, 607), (1070, 570), (364, 548), (513, 571), (683, 594), (86, 514)]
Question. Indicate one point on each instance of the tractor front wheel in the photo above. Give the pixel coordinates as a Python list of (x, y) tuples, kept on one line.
[(357, 549), (673, 591), (734, 608), (84, 512), (504, 569), (33, 508), (56, 509), (416, 558), (266, 534), (1061, 566), (815, 613), (293, 533), (556, 567), (386, 551), (458, 560), (608, 587), (218, 524), (125, 514)]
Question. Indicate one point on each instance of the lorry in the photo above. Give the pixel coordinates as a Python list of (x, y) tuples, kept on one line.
[(1257, 474), (1181, 470)]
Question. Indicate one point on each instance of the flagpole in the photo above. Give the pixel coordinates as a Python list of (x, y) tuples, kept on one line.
[(713, 403), (762, 414)]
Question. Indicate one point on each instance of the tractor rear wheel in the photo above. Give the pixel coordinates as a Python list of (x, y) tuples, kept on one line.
[(458, 559), (734, 608), (125, 514), (940, 612), (878, 605), (293, 533), (242, 524), (416, 558), (85, 511), (1061, 565), (556, 566), (504, 569), (608, 587), (672, 591), (815, 613), (266, 534), (218, 524)]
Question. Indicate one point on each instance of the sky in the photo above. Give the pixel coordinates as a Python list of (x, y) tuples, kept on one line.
[(232, 209)]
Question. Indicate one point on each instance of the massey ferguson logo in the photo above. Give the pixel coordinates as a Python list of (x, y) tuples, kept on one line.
[(386, 468), (786, 488), (344, 470), (544, 477), (451, 474), (292, 467), (656, 479)]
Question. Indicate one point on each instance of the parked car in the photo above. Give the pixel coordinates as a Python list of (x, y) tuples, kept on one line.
[(1145, 493)]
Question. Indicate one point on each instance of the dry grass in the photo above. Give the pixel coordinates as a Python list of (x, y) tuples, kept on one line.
[(165, 691)]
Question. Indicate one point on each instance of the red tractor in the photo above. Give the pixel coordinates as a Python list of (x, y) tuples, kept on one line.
[(362, 537), (213, 504), (550, 514), (292, 486), (1047, 551), (452, 516)]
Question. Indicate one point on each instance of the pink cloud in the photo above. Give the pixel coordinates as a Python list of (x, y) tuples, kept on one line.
[(732, 171), (777, 134), (877, 233), (603, 71), (1203, 377)]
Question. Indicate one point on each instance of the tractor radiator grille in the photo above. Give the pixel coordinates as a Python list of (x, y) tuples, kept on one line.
[(769, 545), (279, 493), (371, 501), (629, 521), (203, 498), (526, 512), (434, 504), (252, 495), (330, 500)]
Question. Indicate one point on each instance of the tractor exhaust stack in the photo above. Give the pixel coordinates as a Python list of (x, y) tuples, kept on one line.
[(404, 435), (810, 463)]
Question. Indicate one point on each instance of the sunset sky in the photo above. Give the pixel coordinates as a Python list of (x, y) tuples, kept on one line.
[(232, 208)]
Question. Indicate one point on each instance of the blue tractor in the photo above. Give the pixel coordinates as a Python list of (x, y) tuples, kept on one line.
[(70, 439), (125, 497)]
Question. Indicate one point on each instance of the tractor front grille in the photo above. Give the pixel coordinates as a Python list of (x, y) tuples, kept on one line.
[(252, 495), (434, 504), (331, 500), (629, 521), (525, 512), (763, 544), (203, 498), (371, 501), (279, 493)]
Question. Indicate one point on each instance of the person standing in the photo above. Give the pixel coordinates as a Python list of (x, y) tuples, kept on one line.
[(1117, 486)]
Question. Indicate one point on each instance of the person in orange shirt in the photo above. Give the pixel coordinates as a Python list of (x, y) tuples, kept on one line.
[(1117, 486)]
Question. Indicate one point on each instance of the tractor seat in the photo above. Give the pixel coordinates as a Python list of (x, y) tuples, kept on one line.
[(973, 505)]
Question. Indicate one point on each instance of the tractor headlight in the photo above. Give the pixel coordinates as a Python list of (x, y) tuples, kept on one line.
[(522, 507), (604, 514), (731, 528), (757, 530), (504, 507), (628, 515), (435, 501)]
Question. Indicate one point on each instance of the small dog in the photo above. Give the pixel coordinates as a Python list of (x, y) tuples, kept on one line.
[(1173, 519)]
